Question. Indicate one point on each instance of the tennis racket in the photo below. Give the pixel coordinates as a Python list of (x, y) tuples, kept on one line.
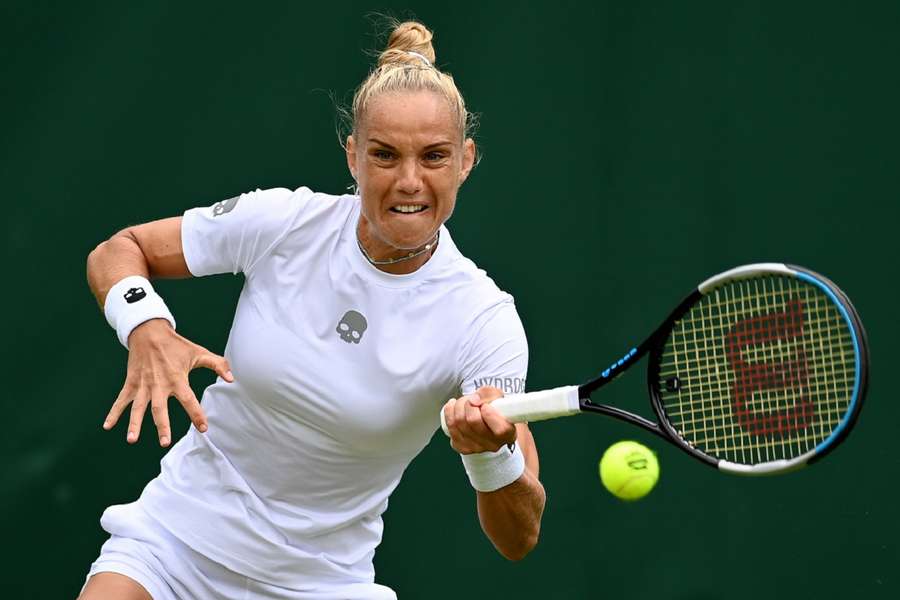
[(760, 370)]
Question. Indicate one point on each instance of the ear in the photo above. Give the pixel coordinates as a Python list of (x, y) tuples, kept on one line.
[(468, 159), (350, 149)]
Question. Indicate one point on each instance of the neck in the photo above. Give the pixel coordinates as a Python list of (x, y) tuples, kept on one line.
[(386, 258)]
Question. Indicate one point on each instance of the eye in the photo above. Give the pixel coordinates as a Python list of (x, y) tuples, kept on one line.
[(382, 154), (435, 156)]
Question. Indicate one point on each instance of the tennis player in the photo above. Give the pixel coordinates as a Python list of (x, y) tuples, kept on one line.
[(358, 320)]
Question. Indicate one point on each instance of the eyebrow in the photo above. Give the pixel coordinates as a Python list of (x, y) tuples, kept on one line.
[(390, 147)]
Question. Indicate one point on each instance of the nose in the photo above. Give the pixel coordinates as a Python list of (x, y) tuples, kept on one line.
[(409, 177)]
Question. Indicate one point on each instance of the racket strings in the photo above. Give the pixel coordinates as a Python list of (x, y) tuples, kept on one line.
[(758, 370)]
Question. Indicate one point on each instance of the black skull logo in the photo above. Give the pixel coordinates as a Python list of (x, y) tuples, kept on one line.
[(351, 327)]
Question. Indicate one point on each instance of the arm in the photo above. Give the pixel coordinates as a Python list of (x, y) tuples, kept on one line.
[(510, 516), (159, 359), (152, 250)]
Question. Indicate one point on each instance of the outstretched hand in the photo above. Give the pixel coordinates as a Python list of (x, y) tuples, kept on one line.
[(159, 361), (474, 425)]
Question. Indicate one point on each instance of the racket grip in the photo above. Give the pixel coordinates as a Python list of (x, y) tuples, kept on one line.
[(535, 406)]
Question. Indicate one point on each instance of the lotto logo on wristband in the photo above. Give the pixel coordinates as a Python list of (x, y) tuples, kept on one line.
[(134, 294)]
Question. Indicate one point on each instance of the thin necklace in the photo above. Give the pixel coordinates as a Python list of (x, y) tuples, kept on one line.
[(391, 261)]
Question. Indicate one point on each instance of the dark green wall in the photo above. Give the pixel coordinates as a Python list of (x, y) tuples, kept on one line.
[(631, 149)]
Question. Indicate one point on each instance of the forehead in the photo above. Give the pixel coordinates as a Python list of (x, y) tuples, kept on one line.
[(410, 118)]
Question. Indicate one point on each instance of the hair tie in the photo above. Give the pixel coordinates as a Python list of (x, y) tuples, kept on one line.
[(417, 55)]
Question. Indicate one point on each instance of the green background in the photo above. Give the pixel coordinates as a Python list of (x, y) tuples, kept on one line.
[(631, 149)]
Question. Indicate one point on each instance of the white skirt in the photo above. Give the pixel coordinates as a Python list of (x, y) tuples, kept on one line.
[(170, 570)]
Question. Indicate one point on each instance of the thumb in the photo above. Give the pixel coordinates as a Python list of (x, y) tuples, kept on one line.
[(217, 363), (489, 393), (498, 424)]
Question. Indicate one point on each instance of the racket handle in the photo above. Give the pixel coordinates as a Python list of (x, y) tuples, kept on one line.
[(535, 406)]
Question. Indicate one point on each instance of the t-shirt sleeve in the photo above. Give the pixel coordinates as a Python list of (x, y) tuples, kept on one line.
[(497, 352), (232, 235)]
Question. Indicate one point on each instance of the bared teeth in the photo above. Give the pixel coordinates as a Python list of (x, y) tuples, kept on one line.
[(408, 208)]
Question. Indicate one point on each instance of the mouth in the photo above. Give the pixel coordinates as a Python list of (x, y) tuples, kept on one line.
[(408, 209)]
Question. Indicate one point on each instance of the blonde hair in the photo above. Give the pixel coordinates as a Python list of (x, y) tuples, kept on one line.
[(407, 65)]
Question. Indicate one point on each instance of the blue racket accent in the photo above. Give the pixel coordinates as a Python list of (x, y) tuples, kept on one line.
[(618, 364), (858, 368)]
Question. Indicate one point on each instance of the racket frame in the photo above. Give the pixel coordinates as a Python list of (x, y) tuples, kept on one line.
[(655, 344)]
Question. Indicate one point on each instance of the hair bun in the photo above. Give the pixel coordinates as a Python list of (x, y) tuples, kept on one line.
[(402, 68), (410, 36)]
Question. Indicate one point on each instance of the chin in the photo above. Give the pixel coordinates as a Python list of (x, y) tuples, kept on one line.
[(410, 243), (410, 240)]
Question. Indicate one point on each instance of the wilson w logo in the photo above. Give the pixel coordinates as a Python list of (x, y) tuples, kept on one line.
[(767, 358)]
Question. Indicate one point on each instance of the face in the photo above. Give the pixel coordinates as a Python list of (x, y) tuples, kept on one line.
[(408, 160)]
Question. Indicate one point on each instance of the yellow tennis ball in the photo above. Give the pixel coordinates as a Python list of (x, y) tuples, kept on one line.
[(629, 470)]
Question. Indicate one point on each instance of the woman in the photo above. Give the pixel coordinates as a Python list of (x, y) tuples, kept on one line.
[(358, 319)]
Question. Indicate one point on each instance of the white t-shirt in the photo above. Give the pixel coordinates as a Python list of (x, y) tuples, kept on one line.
[(340, 373)]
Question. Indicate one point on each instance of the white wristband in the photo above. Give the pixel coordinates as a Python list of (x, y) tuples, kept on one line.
[(132, 301), (490, 471)]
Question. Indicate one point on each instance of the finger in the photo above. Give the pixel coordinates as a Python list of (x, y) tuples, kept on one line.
[(192, 407), (475, 423), (448, 413), (122, 400), (159, 410), (459, 414), (460, 433), (489, 393), (497, 424), (475, 399), (138, 408), (457, 440), (217, 363)]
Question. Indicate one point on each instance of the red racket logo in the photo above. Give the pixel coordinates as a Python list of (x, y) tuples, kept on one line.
[(788, 371)]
